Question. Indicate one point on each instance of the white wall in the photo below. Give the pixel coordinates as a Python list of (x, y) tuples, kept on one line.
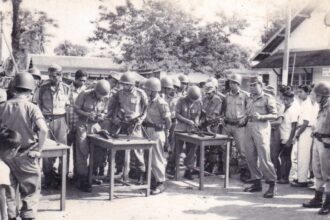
[(318, 77)]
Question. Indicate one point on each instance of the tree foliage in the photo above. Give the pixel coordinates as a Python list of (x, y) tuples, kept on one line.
[(159, 35), (67, 48)]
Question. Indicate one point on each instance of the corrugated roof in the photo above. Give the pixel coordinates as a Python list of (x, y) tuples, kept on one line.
[(278, 37), (303, 59)]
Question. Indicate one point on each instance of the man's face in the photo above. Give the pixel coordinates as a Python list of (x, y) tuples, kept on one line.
[(127, 87), (184, 86), (209, 95), (80, 81), (55, 77), (302, 94), (318, 99), (168, 91), (255, 88), (233, 85), (287, 101)]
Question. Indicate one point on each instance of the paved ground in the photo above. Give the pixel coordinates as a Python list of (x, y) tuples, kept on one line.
[(182, 200)]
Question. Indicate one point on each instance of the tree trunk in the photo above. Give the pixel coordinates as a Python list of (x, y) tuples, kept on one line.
[(15, 34)]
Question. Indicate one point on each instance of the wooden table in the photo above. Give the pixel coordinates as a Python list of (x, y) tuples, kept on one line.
[(113, 145), (202, 142), (52, 149)]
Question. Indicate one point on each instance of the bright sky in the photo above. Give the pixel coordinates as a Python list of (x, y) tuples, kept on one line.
[(74, 16)]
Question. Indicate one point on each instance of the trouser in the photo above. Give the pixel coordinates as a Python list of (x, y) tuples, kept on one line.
[(304, 147), (257, 149), (158, 156), (285, 165), (71, 141), (190, 159), (58, 132), (321, 166), (100, 160), (275, 149), (82, 150), (25, 174), (138, 154), (238, 133)]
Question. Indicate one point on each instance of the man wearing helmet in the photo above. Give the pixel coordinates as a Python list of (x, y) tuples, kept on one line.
[(91, 106), (235, 105), (157, 123), (321, 151), (53, 100), (127, 104), (188, 111), (184, 85), (20, 115)]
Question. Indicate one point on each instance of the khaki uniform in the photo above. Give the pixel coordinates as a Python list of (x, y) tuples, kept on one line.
[(157, 111), (192, 111), (21, 115), (257, 138), (321, 154), (129, 105)]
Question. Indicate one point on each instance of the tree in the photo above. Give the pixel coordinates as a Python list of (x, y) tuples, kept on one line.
[(159, 35), (69, 49)]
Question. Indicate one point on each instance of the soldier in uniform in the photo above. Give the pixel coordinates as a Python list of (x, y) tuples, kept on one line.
[(129, 104), (321, 151), (53, 100), (20, 115), (176, 85), (184, 85), (188, 112), (261, 108), (235, 105), (91, 106), (157, 124)]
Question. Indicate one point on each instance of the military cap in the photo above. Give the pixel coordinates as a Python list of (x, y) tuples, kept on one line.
[(256, 79)]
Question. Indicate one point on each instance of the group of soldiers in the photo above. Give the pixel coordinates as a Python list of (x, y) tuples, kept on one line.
[(154, 109)]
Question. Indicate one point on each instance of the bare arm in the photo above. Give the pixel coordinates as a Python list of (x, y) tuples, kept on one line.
[(43, 132), (3, 210)]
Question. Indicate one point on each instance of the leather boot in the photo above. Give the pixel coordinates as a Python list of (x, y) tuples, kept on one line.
[(255, 187), (325, 206), (315, 202), (271, 190)]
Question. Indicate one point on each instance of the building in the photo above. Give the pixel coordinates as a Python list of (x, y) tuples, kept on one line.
[(309, 43)]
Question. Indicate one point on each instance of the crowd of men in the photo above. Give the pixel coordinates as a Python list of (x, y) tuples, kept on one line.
[(282, 138)]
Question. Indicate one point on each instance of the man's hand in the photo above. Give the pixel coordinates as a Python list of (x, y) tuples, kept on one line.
[(289, 143), (256, 116), (191, 123), (92, 116), (34, 154)]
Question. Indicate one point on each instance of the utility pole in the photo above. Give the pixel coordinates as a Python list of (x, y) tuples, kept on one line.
[(285, 72), (1, 32)]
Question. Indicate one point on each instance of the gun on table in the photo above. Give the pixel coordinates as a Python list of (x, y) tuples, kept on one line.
[(207, 124)]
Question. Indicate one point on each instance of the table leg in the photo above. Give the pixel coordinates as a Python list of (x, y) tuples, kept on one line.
[(226, 182), (112, 173), (91, 162), (149, 171), (126, 166), (177, 156), (63, 188), (201, 166)]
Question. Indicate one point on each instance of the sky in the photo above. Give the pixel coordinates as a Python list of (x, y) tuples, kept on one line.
[(74, 16)]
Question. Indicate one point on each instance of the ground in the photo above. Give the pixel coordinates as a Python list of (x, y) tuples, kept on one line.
[(181, 200)]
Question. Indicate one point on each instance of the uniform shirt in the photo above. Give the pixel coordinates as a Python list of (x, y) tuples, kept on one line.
[(290, 116), (157, 111), (71, 114), (87, 101), (212, 106), (323, 121), (53, 100), (235, 105), (21, 115), (171, 101), (188, 110), (307, 111), (263, 104), (4, 174), (129, 104)]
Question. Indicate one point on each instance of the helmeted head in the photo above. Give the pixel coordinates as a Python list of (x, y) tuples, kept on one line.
[(184, 79), (35, 72), (102, 88), (209, 88), (214, 81), (176, 83), (167, 82), (128, 78), (194, 93), (24, 81), (322, 92), (236, 78)]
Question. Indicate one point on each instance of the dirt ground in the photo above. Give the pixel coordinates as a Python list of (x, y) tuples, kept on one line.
[(181, 200)]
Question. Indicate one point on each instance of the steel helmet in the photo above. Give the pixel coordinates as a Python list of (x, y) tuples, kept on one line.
[(35, 72), (115, 75), (153, 84), (235, 78), (194, 93), (128, 78), (214, 81), (209, 87), (176, 82), (102, 87), (322, 89), (167, 82), (24, 81), (183, 79)]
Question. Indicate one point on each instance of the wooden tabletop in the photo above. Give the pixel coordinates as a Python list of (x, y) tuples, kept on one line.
[(52, 145), (205, 137), (122, 140)]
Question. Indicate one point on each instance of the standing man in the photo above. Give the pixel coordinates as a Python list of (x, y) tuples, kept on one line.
[(188, 112), (125, 106), (321, 151), (91, 107), (235, 107), (157, 123), (53, 100), (20, 115), (184, 85), (77, 87), (261, 108)]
